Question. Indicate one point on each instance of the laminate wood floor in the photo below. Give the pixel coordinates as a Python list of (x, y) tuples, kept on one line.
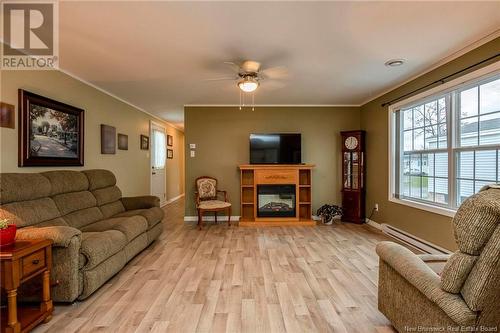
[(231, 279)]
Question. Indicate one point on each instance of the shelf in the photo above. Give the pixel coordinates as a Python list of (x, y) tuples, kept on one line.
[(247, 185), (247, 203), (305, 186), (305, 203)]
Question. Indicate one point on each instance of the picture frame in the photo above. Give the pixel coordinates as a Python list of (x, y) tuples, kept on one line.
[(170, 153), (122, 141), (51, 133), (144, 142), (7, 115), (170, 140), (108, 139)]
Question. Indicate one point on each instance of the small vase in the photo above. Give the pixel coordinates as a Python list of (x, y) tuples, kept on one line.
[(8, 235)]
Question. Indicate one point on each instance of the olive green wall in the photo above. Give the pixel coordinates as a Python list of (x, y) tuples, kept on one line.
[(221, 135), (131, 167), (374, 120)]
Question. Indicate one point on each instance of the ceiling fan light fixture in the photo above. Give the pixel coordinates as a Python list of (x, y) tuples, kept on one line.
[(248, 84)]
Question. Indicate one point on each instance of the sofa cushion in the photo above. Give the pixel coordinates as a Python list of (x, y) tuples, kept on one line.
[(456, 270), (65, 181), (99, 246), (32, 212), (22, 187), (71, 202), (152, 215), (111, 209), (99, 178), (107, 195), (83, 217), (131, 226)]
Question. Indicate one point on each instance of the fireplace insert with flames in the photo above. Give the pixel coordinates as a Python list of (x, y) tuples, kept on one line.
[(276, 200)]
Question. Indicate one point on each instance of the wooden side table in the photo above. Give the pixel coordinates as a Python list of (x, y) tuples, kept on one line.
[(20, 262)]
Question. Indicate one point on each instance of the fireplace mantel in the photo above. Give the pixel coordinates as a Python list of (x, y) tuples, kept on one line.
[(253, 175)]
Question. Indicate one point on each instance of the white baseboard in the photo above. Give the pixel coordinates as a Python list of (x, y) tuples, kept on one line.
[(373, 224), (211, 218), (172, 200), (409, 239)]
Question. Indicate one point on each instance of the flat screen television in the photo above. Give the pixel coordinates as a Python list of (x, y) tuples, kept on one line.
[(282, 148)]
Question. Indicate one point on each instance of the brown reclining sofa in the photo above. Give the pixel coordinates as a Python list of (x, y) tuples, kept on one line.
[(95, 231)]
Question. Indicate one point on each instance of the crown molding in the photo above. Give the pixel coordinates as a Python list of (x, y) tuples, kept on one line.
[(465, 49), (275, 105), (118, 98)]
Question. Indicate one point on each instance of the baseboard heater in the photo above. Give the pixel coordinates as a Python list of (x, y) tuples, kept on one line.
[(413, 241)]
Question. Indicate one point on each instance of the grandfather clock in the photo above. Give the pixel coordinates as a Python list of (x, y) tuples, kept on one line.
[(353, 176)]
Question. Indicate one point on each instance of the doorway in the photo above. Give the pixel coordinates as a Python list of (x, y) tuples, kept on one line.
[(158, 162)]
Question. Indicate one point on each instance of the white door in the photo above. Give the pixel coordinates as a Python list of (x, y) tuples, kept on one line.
[(158, 159)]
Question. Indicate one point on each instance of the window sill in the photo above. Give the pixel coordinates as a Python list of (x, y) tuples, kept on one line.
[(423, 206)]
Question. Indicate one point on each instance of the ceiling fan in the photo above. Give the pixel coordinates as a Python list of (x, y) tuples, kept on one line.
[(249, 74)]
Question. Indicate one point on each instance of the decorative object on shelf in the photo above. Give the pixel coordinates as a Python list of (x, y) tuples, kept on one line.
[(328, 213), (170, 153), (144, 142), (170, 140), (7, 232), (353, 176), (122, 141), (21, 263), (7, 115), (108, 139), (50, 132)]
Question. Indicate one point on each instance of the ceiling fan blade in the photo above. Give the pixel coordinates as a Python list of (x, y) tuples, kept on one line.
[(235, 67), (250, 66), (222, 78), (279, 72)]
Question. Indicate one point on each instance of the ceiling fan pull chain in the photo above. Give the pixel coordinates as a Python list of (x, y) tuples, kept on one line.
[(253, 101), (240, 100)]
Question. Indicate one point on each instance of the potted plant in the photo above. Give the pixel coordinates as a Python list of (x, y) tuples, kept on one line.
[(328, 213), (7, 232)]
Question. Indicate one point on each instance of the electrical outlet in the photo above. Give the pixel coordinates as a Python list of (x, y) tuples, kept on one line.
[(376, 207), (193, 153)]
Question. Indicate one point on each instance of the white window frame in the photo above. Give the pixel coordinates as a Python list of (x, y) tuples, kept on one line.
[(463, 80)]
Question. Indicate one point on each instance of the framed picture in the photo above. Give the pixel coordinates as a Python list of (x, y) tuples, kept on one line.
[(170, 153), (144, 142), (50, 132), (170, 140), (122, 141), (108, 139)]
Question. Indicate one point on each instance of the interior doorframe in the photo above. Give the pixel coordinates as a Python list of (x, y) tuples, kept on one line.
[(157, 124)]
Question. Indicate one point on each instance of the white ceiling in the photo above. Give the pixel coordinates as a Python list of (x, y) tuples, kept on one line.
[(156, 55)]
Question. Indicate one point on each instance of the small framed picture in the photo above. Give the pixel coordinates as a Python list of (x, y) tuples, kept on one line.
[(144, 142), (108, 139), (170, 153), (170, 140), (122, 141)]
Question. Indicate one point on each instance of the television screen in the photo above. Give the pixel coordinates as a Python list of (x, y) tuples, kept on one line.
[(275, 148)]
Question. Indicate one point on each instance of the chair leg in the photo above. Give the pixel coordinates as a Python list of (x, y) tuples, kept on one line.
[(200, 219), (229, 216)]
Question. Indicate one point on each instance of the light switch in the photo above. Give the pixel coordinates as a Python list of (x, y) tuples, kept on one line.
[(192, 146), (193, 153)]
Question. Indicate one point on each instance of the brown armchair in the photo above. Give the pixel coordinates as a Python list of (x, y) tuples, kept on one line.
[(207, 199)]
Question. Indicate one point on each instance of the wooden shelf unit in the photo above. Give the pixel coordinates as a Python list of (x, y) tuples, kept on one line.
[(252, 175)]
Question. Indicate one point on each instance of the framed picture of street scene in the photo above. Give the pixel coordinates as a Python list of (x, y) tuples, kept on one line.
[(50, 132)]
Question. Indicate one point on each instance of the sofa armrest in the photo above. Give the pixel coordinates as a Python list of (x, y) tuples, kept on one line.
[(422, 277), (60, 235), (65, 258), (146, 201)]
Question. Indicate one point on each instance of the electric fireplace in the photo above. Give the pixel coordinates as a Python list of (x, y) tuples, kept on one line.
[(276, 200)]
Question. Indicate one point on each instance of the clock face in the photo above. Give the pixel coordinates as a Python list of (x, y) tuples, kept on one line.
[(351, 142)]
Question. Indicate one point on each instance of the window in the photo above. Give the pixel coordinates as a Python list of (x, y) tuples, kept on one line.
[(446, 145), (159, 149)]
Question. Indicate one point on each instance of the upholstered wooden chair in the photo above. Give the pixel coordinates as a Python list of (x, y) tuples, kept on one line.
[(207, 199)]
